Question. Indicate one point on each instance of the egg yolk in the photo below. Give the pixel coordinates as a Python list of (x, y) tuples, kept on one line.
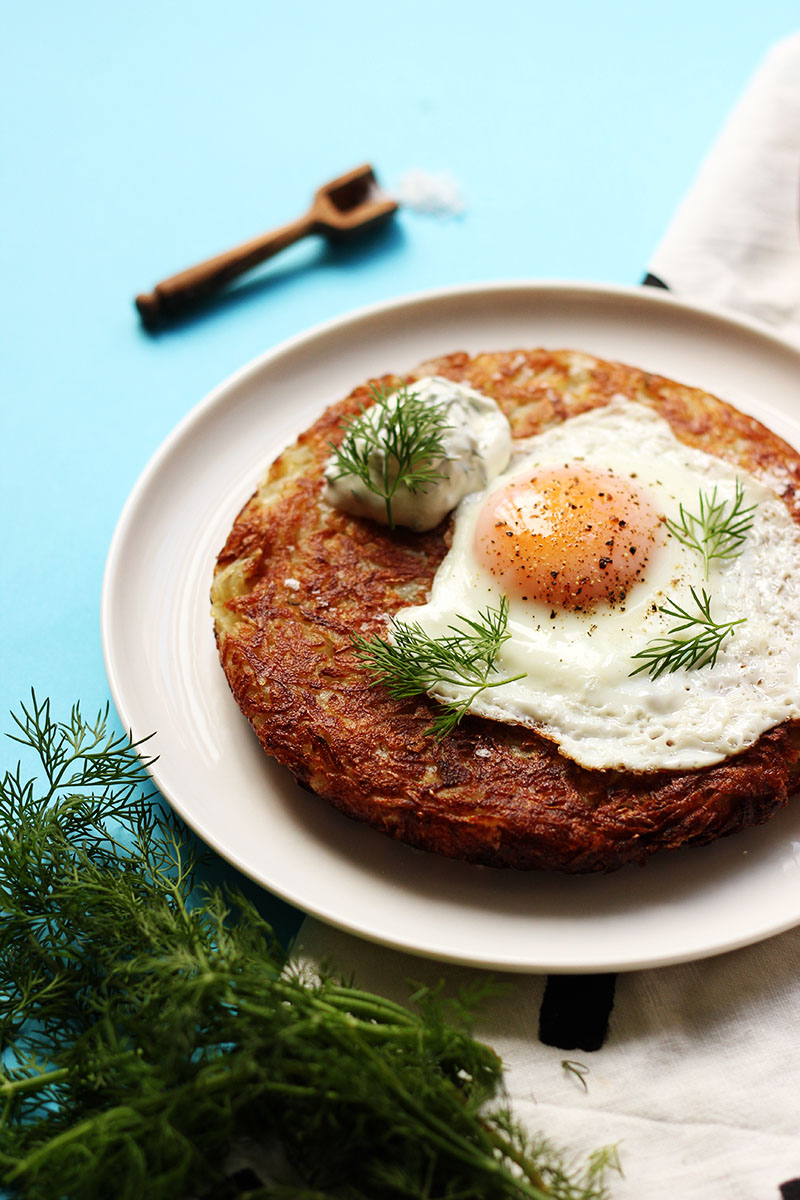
[(570, 537)]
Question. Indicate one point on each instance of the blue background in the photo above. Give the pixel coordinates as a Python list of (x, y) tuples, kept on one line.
[(140, 139)]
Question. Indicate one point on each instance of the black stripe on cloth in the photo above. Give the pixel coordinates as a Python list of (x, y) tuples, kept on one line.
[(790, 1190), (575, 1011)]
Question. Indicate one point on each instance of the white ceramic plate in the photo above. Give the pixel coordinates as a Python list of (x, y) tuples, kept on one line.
[(165, 676)]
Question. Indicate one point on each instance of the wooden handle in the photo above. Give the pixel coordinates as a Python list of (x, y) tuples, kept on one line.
[(180, 293)]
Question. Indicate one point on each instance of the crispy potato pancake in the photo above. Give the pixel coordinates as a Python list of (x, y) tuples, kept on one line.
[(297, 578)]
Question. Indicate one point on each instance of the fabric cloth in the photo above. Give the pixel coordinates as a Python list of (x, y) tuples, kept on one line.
[(698, 1080), (735, 240)]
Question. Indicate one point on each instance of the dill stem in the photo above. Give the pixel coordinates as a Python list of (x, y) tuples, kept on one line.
[(508, 1150), (306, 1091), (441, 1134), (373, 1029), (439, 1131), (353, 999), (9, 1087)]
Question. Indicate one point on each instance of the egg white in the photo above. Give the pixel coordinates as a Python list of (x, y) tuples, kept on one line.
[(578, 688)]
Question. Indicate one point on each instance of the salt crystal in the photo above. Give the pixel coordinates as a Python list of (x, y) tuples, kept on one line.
[(436, 193)]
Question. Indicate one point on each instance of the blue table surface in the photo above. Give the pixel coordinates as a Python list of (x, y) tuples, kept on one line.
[(140, 139)]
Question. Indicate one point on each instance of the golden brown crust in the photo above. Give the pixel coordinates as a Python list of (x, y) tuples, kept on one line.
[(296, 578)]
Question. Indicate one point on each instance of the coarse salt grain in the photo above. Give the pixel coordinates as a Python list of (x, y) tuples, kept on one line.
[(435, 193)]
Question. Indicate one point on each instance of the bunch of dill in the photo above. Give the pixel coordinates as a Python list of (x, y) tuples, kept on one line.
[(150, 1027)]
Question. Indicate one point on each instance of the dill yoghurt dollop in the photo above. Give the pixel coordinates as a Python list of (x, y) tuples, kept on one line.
[(411, 456)]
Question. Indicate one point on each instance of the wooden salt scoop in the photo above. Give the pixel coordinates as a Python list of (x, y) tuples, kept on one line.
[(342, 209)]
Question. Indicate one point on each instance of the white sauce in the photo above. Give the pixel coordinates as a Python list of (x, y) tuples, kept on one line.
[(476, 444)]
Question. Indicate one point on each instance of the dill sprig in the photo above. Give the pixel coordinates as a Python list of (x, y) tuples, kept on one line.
[(397, 441), (414, 663), (715, 532), (700, 646), (578, 1069), (151, 1026)]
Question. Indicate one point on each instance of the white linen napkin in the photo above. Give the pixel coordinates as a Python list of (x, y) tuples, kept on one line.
[(699, 1077), (735, 240)]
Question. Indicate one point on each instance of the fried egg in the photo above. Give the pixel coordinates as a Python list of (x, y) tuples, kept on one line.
[(574, 534)]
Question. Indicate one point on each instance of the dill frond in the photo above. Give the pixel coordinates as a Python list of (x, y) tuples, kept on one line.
[(578, 1069), (397, 441), (715, 532), (150, 1024), (414, 663), (698, 648)]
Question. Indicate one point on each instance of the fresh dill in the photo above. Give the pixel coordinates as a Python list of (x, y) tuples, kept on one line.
[(397, 441), (698, 648), (415, 663), (578, 1069), (715, 532), (152, 1027)]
